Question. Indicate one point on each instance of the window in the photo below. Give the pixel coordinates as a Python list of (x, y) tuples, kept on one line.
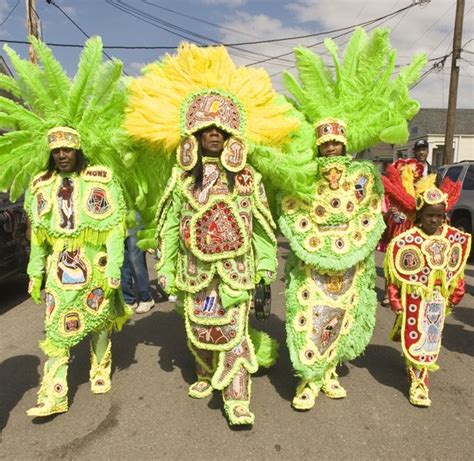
[(468, 183), (453, 172)]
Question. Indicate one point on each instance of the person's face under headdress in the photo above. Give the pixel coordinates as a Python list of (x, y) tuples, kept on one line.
[(64, 159), (212, 141), (331, 149), (431, 217)]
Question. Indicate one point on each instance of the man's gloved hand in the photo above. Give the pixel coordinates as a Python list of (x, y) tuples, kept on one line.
[(34, 289), (267, 276), (111, 286)]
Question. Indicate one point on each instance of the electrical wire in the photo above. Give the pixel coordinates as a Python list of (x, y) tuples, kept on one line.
[(203, 21), (52, 2), (172, 47), (175, 29), (351, 28)]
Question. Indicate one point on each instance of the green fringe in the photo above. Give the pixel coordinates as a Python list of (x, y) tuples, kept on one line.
[(266, 348), (86, 235), (51, 350)]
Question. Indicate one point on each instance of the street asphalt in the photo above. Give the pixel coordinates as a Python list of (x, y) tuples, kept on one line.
[(148, 415)]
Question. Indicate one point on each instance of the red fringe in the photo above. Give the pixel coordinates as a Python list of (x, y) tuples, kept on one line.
[(397, 194), (452, 190)]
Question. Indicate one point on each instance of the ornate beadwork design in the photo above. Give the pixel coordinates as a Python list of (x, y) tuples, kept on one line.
[(97, 202), (427, 270), (50, 304), (327, 324), (95, 299), (212, 109), (234, 155), (66, 204), (72, 269), (334, 284), (343, 218), (72, 323), (41, 204), (217, 231), (188, 153), (244, 181), (436, 250)]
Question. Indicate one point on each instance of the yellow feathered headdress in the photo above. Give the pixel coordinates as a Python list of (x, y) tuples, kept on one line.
[(200, 87)]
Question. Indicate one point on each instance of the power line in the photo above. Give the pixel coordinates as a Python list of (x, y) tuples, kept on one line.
[(173, 28), (346, 41), (351, 28), (203, 21), (52, 2), (9, 14), (172, 47)]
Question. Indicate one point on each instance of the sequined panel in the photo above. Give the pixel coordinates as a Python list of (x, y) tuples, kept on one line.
[(423, 328), (217, 230), (207, 303), (211, 334), (244, 181), (95, 299), (327, 324), (50, 303), (71, 268), (238, 388), (241, 351), (212, 107), (436, 250), (335, 284), (72, 322), (97, 202), (40, 204), (66, 204)]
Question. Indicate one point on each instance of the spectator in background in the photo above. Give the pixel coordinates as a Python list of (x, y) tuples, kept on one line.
[(135, 284), (420, 151)]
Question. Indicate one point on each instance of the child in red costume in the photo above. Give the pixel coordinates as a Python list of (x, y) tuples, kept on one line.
[(424, 267)]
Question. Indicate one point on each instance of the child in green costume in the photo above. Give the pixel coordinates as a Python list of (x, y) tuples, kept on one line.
[(334, 225), (76, 206)]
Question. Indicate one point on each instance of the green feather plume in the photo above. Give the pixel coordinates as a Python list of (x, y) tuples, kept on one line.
[(360, 90), (92, 103)]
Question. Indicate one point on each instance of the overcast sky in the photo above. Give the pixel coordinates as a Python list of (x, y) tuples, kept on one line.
[(427, 28)]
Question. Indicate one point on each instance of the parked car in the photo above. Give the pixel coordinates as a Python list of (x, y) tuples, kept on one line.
[(14, 244), (462, 215)]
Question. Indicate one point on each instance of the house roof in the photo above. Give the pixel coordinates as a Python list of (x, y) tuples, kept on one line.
[(433, 122)]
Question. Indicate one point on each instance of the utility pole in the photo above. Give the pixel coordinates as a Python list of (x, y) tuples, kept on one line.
[(453, 83), (33, 26)]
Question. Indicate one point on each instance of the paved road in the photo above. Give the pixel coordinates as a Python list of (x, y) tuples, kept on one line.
[(148, 415)]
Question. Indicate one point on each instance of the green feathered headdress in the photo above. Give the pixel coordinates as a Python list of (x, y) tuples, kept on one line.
[(92, 103), (360, 92)]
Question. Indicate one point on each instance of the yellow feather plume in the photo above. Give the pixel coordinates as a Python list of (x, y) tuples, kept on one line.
[(156, 99), (428, 182)]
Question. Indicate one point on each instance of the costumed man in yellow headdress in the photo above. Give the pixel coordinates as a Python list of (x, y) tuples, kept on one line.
[(425, 270), (213, 226)]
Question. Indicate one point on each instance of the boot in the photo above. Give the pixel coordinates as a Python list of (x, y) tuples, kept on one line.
[(52, 395), (418, 387), (101, 366), (202, 388), (305, 397), (331, 386), (236, 398)]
